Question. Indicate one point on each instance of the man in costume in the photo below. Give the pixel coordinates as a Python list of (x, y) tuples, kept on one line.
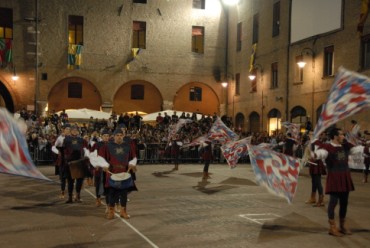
[(121, 156), (99, 174), (66, 131), (73, 153), (317, 168), (207, 157), (174, 146), (338, 181)]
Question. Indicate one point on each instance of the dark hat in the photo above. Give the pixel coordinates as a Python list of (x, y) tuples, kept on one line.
[(105, 131), (118, 131)]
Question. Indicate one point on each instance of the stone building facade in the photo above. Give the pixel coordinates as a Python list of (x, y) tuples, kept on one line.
[(172, 75)]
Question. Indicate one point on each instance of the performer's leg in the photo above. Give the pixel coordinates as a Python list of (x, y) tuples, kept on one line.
[(123, 198), (79, 183), (331, 212), (70, 189), (343, 204)]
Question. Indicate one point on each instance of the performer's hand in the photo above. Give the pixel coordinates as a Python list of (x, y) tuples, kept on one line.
[(132, 168)]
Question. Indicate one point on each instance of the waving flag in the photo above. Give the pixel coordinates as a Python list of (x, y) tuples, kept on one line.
[(349, 94), (275, 171), (219, 131), (292, 128), (233, 150), (14, 156), (197, 141), (353, 138), (174, 129)]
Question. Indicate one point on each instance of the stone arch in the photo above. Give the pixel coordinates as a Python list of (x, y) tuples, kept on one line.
[(239, 121), (128, 98), (254, 122), (6, 99), (298, 115), (64, 96), (207, 104), (274, 120)]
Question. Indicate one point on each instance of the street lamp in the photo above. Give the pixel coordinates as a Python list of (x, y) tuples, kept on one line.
[(305, 51), (15, 77), (252, 76)]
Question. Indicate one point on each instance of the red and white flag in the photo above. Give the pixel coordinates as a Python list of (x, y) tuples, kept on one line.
[(14, 155)]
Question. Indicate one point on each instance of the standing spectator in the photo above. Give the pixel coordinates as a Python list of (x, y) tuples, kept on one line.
[(63, 117), (138, 119), (175, 117)]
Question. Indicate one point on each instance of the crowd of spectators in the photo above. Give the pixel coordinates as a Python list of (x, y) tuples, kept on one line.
[(151, 138)]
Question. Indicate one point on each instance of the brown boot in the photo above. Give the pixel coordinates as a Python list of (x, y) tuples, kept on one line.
[(365, 179), (205, 175), (61, 196), (312, 199), (110, 214), (320, 202), (343, 228), (98, 202), (333, 229), (176, 167), (124, 214)]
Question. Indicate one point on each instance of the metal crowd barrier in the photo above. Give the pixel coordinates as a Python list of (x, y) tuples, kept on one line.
[(43, 156), (152, 154)]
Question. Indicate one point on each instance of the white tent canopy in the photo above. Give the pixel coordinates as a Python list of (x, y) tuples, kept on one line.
[(85, 113), (153, 116)]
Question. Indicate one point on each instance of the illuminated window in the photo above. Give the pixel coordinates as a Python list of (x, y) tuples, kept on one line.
[(197, 44), (139, 35), (6, 23), (75, 30)]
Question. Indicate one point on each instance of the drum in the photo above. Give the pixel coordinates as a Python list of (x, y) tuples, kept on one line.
[(121, 181), (77, 168)]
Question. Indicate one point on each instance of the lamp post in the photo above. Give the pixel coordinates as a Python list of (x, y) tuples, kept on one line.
[(252, 76), (301, 64)]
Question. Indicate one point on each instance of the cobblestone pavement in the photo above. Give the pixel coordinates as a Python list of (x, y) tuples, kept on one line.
[(177, 209)]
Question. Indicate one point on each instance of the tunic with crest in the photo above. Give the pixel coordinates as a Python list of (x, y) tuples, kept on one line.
[(338, 173), (118, 155)]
